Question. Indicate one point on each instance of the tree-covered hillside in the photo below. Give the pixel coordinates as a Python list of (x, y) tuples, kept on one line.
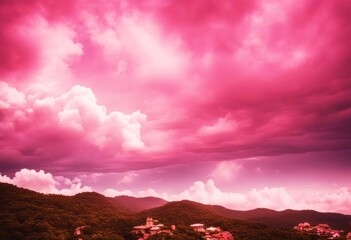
[(287, 218), (29, 215), (184, 213)]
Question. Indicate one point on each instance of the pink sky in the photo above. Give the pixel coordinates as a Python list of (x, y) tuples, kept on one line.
[(241, 103)]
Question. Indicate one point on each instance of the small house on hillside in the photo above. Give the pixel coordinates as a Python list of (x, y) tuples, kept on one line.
[(198, 227)]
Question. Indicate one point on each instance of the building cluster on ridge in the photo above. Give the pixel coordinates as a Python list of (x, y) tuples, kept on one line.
[(153, 227), (212, 233), (321, 230)]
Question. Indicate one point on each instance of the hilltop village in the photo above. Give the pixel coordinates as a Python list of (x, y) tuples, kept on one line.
[(212, 233), (322, 230), (153, 227)]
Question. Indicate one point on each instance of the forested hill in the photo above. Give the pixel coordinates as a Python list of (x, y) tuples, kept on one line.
[(287, 218), (29, 215), (184, 213)]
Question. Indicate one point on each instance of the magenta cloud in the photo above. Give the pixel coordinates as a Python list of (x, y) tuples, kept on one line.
[(248, 101), (35, 127), (42, 182), (145, 84)]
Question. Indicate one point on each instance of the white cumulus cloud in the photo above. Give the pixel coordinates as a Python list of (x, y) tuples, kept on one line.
[(42, 182)]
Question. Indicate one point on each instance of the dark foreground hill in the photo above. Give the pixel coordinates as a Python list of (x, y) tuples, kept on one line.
[(28, 215), (184, 213), (132, 204)]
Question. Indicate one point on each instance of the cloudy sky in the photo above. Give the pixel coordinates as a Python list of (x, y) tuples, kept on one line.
[(241, 103)]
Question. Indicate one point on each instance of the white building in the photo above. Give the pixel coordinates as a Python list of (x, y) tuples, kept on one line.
[(149, 222), (140, 229), (154, 230), (198, 227)]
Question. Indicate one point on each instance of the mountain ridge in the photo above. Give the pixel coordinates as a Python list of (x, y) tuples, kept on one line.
[(27, 214), (285, 218), (130, 204)]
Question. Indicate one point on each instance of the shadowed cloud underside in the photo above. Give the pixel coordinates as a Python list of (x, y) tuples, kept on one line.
[(125, 96)]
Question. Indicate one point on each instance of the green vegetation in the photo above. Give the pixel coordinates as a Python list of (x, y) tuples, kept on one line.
[(287, 218), (29, 215), (184, 213)]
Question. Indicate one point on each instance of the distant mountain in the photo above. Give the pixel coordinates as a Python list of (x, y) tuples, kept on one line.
[(132, 204), (282, 219), (287, 218)]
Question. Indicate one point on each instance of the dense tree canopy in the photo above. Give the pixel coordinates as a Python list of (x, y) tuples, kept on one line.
[(29, 215)]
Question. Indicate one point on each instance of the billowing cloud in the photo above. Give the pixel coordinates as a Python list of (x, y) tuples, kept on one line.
[(74, 116), (230, 80), (42, 182), (121, 86), (226, 170), (110, 192), (134, 42), (209, 193), (129, 177), (338, 200)]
